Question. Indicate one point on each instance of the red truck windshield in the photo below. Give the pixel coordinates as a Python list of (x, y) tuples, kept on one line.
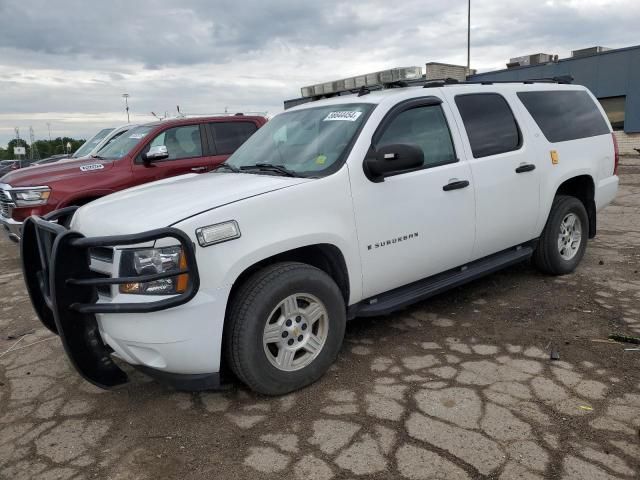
[(124, 143)]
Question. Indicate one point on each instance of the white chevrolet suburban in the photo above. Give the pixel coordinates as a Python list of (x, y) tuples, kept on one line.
[(355, 205)]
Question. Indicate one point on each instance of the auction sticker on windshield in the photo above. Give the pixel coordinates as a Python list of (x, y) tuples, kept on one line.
[(137, 135), (347, 116)]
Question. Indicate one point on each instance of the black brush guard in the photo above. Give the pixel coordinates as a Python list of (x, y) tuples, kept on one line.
[(62, 288)]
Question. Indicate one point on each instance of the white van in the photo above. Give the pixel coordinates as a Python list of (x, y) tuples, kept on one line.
[(356, 205)]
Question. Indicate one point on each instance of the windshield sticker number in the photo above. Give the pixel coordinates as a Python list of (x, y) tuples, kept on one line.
[(346, 116), (137, 135), (93, 166)]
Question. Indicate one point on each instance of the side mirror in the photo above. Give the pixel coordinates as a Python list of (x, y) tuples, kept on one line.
[(392, 159), (157, 152)]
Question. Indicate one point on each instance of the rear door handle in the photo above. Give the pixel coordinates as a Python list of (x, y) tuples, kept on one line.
[(527, 167), (455, 185), (199, 169)]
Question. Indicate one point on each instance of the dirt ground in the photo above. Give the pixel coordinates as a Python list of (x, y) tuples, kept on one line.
[(461, 386)]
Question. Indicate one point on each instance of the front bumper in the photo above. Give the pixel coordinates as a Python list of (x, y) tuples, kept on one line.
[(64, 292), (12, 227)]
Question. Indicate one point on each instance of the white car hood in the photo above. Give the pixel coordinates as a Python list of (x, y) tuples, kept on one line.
[(165, 202)]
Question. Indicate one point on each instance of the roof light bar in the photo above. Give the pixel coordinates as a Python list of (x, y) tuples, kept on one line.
[(369, 80)]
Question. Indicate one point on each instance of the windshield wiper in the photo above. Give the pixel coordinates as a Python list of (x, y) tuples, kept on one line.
[(98, 157), (270, 167), (226, 165)]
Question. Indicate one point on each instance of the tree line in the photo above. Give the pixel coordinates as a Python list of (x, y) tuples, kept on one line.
[(44, 148)]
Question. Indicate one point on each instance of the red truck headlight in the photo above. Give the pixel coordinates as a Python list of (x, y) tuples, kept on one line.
[(29, 197)]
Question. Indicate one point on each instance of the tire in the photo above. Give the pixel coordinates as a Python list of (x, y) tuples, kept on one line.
[(552, 255), (313, 317)]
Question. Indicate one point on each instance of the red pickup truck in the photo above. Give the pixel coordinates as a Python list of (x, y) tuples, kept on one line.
[(143, 154)]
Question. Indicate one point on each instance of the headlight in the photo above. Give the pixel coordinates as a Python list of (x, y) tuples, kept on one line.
[(152, 261), (32, 196)]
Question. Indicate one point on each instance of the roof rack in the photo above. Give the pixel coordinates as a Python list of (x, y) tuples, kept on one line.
[(564, 79), (363, 91), (224, 114), (441, 82)]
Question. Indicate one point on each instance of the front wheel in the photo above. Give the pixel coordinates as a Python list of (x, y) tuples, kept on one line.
[(285, 328), (564, 238)]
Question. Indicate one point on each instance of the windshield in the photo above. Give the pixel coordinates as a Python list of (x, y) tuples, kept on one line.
[(122, 145), (92, 143), (307, 142)]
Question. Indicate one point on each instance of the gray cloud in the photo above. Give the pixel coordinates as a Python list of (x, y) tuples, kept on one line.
[(160, 33), (68, 62)]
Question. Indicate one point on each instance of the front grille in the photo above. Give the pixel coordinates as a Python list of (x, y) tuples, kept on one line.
[(103, 290), (6, 204), (76, 273), (104, 254), (102, 265)]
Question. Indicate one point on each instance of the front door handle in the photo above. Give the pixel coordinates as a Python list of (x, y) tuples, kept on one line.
[(199, 169), (527, 167), (455, 185)]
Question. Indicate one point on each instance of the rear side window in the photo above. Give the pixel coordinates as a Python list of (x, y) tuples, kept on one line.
[(564, 115), (230, 135), (489, 122)]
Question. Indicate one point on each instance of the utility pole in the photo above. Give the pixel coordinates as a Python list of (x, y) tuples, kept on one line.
[(126, 104), (49, 128), (468, 35), (33, 152), (17, 130)]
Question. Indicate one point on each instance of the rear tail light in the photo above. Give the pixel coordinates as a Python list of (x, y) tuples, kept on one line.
[(616, 154)]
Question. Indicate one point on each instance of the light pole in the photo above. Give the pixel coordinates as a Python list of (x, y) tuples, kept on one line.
[(126, 104), (468, 35)]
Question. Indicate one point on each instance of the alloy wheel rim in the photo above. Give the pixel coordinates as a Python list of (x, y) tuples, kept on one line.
[(570, 236), (295, 332)]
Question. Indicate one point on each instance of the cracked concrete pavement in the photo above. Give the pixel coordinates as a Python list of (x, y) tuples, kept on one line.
[(458, 387)]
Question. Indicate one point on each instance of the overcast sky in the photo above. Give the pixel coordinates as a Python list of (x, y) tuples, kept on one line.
[(68, 62)]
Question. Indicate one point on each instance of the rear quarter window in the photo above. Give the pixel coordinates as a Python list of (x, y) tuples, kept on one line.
[(564, 115)]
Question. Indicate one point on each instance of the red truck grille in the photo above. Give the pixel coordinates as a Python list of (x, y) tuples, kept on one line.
[(6, 204)]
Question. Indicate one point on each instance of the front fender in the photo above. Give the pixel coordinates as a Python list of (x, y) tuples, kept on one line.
[(311, 213)]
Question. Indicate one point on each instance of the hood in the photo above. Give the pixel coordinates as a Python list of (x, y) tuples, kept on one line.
[(166, 202), (50, 173)]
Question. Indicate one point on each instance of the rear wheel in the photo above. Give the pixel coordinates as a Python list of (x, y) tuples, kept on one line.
[(564, 238), (285, 328)]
